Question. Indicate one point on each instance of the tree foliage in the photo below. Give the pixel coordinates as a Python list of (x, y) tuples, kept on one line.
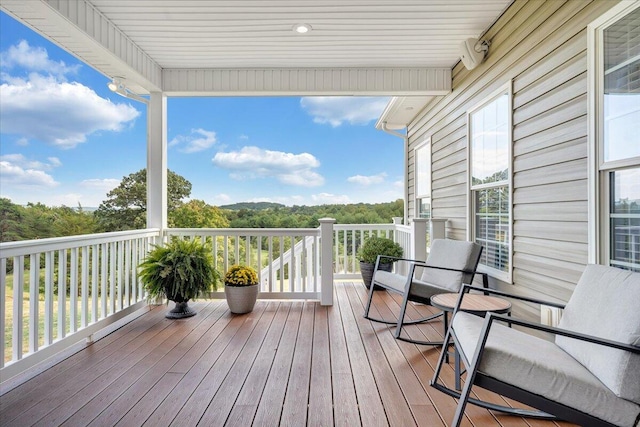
[(197, 214), (37, 221), (126, 205)]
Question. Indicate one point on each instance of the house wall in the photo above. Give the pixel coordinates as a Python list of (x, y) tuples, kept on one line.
[(541, 46)]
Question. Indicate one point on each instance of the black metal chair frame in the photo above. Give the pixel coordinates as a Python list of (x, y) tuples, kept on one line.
[(547, 409), (399, 322)]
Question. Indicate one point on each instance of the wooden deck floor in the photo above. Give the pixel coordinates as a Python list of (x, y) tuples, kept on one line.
[(286, 363)]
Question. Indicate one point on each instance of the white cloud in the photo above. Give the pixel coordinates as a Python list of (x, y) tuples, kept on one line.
[(367, 180), (58, 113), (337, 110), (101, 185), (17, 172), (197, 140), (330, 199), (222, 198), (34, 59), (288, 168), (398, 184)]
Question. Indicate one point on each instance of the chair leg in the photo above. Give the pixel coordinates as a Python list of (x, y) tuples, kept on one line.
[(403, 308), (462, 402), (366, 310)]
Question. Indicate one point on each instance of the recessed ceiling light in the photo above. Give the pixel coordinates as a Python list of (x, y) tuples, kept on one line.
[(302, 28)]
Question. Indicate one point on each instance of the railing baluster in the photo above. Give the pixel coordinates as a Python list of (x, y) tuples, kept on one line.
[(84, 306), (73, 308), (127, 271), (94, 283), (34, 291), (18, 312), (104, 258), (112, 277), (62, 293), (48, 297), (119, 275)]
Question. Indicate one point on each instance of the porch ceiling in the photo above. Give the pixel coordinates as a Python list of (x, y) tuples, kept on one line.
[(381, 47)]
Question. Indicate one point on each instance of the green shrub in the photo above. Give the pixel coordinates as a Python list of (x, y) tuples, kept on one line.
[(374, 246)]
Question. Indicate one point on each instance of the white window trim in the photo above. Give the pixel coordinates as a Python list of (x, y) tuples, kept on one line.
[(506, 277), (416, 196), (598, 245)]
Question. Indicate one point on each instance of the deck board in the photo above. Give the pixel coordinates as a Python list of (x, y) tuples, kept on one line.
[(287, 363)]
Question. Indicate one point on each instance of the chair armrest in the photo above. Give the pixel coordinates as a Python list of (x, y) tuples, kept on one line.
[(395, 258), (488, 291), (491, 317)]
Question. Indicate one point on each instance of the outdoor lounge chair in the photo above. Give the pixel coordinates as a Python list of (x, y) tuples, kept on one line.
[(590, 374), (450, 264)]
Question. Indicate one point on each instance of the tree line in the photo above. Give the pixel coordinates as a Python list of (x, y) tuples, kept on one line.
[(125, 209)]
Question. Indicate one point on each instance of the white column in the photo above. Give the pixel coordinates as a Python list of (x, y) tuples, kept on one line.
[(157, 161), (437, 228), (326, 260), (419, 238)]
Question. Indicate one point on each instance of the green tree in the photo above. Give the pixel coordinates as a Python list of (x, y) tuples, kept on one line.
[(10, 219), (197, 214), (126, 205)]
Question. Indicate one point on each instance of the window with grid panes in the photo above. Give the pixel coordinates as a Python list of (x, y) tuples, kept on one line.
[(618, 91), (490, 159)]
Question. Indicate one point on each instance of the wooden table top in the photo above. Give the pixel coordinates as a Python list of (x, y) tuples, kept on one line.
[(471, 302)]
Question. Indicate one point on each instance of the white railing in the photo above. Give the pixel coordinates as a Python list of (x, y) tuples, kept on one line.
[(56, 292), (282, 273)]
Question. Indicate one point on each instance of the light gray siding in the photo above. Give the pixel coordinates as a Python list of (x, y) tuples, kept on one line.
[(541, 47)]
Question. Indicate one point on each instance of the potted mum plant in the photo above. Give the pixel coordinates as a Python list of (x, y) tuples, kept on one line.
[(368, 253), (179, 270), (241, 288)]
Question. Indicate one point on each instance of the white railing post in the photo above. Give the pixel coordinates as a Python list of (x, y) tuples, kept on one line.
[(326, 260), (419, 238), (437, 228)]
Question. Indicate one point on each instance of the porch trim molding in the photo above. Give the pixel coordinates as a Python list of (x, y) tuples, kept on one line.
[(307, 81)]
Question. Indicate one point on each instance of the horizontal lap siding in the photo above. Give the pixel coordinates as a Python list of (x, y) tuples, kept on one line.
[(541, 47)]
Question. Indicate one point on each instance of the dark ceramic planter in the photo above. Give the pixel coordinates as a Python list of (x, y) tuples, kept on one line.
[(366, 269)]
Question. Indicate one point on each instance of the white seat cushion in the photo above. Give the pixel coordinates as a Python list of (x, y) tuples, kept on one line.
[(543, 368), (397, 283)]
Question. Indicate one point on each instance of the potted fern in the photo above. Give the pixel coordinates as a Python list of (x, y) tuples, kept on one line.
[(368, 254), (241, 288), (179, 270)]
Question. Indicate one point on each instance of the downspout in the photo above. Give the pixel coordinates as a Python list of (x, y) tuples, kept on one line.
[(405, 138)]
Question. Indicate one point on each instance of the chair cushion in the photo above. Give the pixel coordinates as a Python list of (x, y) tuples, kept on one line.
[(606, 304), (543, 368), (457, 254), (397, 282)]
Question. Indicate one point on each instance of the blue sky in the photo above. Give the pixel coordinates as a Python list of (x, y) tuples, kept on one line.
[(65, 139)]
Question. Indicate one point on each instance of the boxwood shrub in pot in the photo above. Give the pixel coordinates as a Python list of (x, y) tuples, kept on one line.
[(368, 253), (179, 270)]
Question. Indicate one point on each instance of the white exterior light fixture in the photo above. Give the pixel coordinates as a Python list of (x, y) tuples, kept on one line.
[(302, 28), (116, 85)]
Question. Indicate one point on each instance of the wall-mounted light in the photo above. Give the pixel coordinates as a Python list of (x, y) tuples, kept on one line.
[(116, 85), (302, 28)]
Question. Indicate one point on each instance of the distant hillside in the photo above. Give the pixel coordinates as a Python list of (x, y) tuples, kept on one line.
[(252, 206)]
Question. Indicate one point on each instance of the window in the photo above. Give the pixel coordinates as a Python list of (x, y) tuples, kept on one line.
[(422, 168), (490, 181), (615, 39)]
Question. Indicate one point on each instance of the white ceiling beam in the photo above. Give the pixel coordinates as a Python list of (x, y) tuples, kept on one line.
[(301, 81)]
